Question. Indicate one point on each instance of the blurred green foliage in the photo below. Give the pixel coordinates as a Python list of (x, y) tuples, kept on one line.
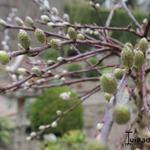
[(6, 127), (43, 110), (93, 73), (51, 54), (73, 68)]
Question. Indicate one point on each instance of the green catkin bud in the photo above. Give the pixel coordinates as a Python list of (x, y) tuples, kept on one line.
[(145, 21), (19, 21), (121, 114), (118, 73), (55, 43), (29, 21), (127, 57), (4, 57), (45, 18), (50, 24), (143, 44), (129, 45), (108, 96), (80, 36), (138, 59), (40, 35), (22, 71), (96, 33), (108, 83), (72, 33), (36, 70), (148, 114), (2, 24), (24, 39)]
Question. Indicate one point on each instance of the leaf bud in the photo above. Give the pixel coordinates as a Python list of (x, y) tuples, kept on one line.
[(118, 73), (36, 70), (19, 21), (24, 39), (45, 18), (22, 71), (55, 43), (72, 33), (80, 36), (121, 114), (127, 57), (29, 21), (108, 96), (40, 35), (4, 57), (108, 83), (143, 44)]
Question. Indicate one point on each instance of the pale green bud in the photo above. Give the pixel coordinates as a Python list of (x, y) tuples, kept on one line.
[(29, 21), (108, 96), (40, 35), (121, 114), (55, 43), (129, 45), (72, 33), (2, 24), (22, 71), (80, 36), (45, 18), (118, 73), (36, 70), (138, 59), (54, 124), (127, 57), (59, 112), (143, 44), (4, 57), (24, 39), (108, 83), (19, 21)]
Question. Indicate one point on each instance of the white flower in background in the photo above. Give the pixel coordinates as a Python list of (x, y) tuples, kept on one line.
[(65, 95)]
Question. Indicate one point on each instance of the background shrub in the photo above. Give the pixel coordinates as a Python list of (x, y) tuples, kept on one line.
[(6, 128), (43, 110)]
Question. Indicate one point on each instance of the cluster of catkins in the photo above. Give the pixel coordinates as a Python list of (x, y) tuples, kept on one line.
[(25, 41), (131, 58)]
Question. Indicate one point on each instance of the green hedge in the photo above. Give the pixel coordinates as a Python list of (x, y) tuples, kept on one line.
[(43, 110), (87, 15)]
